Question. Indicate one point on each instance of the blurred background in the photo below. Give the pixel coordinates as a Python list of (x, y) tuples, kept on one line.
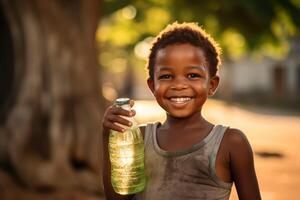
[(63, 61)]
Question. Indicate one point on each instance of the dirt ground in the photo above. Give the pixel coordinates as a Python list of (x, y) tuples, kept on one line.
[(274, 136)]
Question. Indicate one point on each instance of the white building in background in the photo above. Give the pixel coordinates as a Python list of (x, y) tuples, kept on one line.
[(264, 78)]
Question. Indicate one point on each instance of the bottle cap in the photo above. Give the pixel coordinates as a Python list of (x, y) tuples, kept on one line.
[(122, 101)]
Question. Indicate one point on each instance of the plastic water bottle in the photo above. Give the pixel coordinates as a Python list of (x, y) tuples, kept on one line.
[(126, 151)]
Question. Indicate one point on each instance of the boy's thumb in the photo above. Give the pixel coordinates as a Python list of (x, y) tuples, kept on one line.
[(131, 103)]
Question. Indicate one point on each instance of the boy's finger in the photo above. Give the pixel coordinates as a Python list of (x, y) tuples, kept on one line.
[(120, 111), (131, 103), (114, 127), (118, 119), (133, 112)]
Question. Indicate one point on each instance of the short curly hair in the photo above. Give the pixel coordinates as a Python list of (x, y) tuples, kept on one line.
[(182, 33)]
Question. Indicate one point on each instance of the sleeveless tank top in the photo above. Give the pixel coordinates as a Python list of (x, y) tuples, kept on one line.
[(183, 175)]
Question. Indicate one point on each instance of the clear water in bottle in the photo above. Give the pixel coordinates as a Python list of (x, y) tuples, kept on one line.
[(126, 152)]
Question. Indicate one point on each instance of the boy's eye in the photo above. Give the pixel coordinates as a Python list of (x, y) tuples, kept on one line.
[(194, 75), (164, 76)]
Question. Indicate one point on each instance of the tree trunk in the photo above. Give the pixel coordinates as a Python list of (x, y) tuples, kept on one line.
[(50, 119)]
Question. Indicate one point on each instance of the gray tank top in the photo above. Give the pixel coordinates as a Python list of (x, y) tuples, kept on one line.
[(183, 175)]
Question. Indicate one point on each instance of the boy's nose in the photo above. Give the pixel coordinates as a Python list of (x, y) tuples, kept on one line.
[(179, 84)]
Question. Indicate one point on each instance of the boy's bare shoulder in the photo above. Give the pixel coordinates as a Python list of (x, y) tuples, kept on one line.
[(237, 148), (234, 135), (235, 139)]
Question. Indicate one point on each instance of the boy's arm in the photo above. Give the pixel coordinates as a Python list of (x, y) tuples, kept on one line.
[(242, 166), (111, 116)]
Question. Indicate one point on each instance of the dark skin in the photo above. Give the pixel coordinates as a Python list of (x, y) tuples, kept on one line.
[(181, 85)]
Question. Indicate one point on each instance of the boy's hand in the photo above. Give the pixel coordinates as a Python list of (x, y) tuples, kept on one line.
[(113, 116)]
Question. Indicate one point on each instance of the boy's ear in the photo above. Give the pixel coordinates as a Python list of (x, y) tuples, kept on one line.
[(214, 82), (150, 83)]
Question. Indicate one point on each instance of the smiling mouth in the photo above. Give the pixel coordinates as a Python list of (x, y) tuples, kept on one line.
[(180, 100)]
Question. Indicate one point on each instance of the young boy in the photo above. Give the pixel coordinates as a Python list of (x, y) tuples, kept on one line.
[(186, 157)]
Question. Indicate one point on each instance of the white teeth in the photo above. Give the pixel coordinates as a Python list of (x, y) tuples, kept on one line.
[(180, 99)]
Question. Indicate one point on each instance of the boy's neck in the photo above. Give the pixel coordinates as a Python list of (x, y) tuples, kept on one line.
[(194, 121)]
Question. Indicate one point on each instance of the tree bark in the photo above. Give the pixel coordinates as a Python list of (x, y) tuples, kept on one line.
[(51, 129)]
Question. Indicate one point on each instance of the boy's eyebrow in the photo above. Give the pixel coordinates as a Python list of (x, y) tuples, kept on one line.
[(201, 67), (197, 67), (161, 68)]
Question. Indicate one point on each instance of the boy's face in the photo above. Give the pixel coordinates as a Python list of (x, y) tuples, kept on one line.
[(181, 81)]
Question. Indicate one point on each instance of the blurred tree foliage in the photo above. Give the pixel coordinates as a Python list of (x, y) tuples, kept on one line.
[(239, 26)]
